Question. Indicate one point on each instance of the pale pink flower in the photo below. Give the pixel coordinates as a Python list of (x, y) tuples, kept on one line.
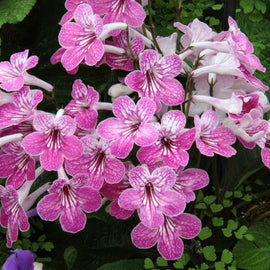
[(16, 164), (156, 78), (113, 191), (167, 44), (97, 162), (211, 137), (68, 198), (189, 180), (172, 142), (81, 38), (132, 125), (54, 140), (81, 107), (128, 11), (15, 203), (152, 195), (22, 107), (14, 75), (170, 246)]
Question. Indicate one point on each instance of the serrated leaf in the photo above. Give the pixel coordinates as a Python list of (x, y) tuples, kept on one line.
[(217, 222), (232, 224), (216, 207), (70, 255), (209, 199), (205, 233), (135, 264), (254, 255), (209, 253), (48, 246), (181, 262), (227, 232), (13, 11), (226, 256), (161, 262), (239, 233)]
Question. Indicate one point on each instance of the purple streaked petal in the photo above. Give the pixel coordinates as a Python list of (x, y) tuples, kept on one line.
[(139, 177), (122, 146), (13, 84), (94, 53), (73, 57), (118, 212), (149, 154), (89, 199), (109, 128), (148, 60), (145, 109), (134, 14), (43, 121), (149, 215), (30, 62), (23, 220), (71, 147), (66, 125), (135, 80), (163, 178), (7, 165), (17, 60), (79, 165), (173, 121), (124, 108), (87, 119), (83, 15), (49, 207), (169, 66), (171, 203), (16, 178), (51, 159), (185, 140), (146, 135), (72, 219), (131, 199), (69, 34), (175, 158), (34, 143), (266, 157), (114, 171), (144, 237), (3, 217), (187, 226)]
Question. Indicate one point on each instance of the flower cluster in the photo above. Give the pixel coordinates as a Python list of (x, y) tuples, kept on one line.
[(221, 102)]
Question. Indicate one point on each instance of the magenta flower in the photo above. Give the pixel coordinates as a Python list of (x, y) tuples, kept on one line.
[(14, 205), (113, 191), (152, 195), (170, 246), (155, 79), (81, 107), (124, 61), (132, 125), (53, 141), (189, 180), (172, 142), (81, 39), (128, 11), (16, 164), (68, 198), (13, 74), (97, 162), (211, 137), (21, 108)]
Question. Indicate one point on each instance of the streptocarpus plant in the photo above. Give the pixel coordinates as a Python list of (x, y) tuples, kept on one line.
[(137, 158)]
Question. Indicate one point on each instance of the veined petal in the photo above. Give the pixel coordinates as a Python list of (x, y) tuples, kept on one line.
[(118, 212), (148, 60), (83, 15), (72, 57), (163, 178), (135, 80), (66, 125), (169, 66), (139, 177), (13, 84), (87, 119), (173, 121), (122, 146), (71, 147), (49, 207), (146, 135), (149, 154), (89, 199), (124, 108), (109, 128), (114, 171), (43, 121), (34, 143), (131, 199), (134, 14), (145, 109), (69, 34), (51, 159), (94, 52)]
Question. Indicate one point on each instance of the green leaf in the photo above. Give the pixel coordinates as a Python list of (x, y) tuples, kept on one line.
[(200, 206), (217, 222), (209, 199), (254, 255), (48, 246), (237, 194), (135, 264), (219, 266), (247, 198), (228, 194), (13, 11), (181, 262), (216, 207), (70, 255), (247, 5), (260, 6), (213, 21), (226, 256), (232, 224), (199, 196), (148, 264), (204, 266), (205, 233), (249, 237), (227, 232), (161, 262), (42, 238), (217, 7), (239, 233), (209, 253), (227, 203)]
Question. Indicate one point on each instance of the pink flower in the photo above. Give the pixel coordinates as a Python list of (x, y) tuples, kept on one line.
[(120, 11), (68, 198), (14, 75), (172, 142), (81, 39), (131, 125), (211, 137), (152, 195), (97, 162), (81, 107), (21, 108), (189, 180), (53, 141), (14, 205), (113, 191), (16, 164), (170, 246), (264, 144), (155, 80), (124, 61)]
